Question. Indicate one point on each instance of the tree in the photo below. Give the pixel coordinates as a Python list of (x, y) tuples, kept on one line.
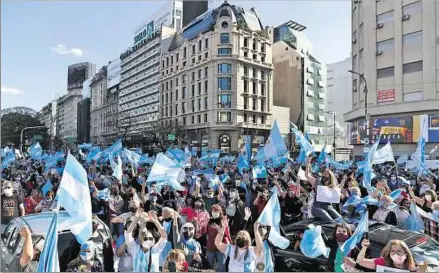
[(124, 125), (160, 132), (14, 122)]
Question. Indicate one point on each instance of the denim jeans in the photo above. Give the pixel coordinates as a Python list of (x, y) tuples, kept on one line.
[(220, 261), (325, 212)]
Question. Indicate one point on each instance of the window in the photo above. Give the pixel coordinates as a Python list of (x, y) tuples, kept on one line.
[(193, 119), (262, 89), (412, 8), (412, 67), (225, 38), (177, 57), (385, 72), (176, 94), (245, 103), (385, 46), (245, 42), (255, 90), (176, 109), (166, 97), (176, 82), (193, 90), (206, 43), (262, 47), (415, 96), (199, 73), (263, 59), (321, 118), (199, 104), (255, 57), (183, 92), (193, 105), (224, 68), (200, 45), (262, 105), (193, 49), (412, 38), (224, 116), (254, 73), (205, 87), (245, 54), (245, 86), (184, 52), (245, 71), (310, 117), (193, 60), (205, 103), (199, 118), (224, 101), (199, 88), (310, 93), (245, 118), (385, 17), (254, 119), (255, 104), (205, 117), (184, 121), (224, 51), (262, 75), (206, 72), (224, 83), (183, 79), (254, 44)]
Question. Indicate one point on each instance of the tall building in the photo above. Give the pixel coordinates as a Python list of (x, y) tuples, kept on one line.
[(193, 9), (111, 102), (67, 112), (338, 101), (395, 47), (98, 94), (46, 117), (216, 79), (83, 121), (140, 75), (300, 81)]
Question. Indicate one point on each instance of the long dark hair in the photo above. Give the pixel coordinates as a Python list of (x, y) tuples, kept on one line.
[(218, 220)]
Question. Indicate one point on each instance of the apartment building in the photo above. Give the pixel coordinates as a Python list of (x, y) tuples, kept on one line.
[(395, 48), (300, 80), (216, 79), (98, 94), (46, 117)]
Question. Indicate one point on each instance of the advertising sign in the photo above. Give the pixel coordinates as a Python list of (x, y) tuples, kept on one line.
[(386, 95), (395, 130), (114, 70), (76, 75), (358, 133), (433, 128)]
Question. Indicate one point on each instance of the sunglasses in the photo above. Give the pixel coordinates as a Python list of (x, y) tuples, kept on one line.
[(188, 228), (148, 239)]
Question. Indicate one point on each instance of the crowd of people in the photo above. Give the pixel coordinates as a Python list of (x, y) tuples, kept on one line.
[(155, 228)]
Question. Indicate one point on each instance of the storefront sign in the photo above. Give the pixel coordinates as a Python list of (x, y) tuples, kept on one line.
[(386, 95)]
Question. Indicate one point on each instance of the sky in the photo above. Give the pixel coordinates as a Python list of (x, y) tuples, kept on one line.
[(40, 39)]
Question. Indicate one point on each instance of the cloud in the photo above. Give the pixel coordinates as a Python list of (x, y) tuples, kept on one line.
[(11, 91), (64, 50)]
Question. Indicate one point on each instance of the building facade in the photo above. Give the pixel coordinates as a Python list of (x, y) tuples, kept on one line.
[(67, 115), (394, 45), (98, 94), (300, 81), (339, 98), (83, 121), (47, 118), (216, 79)]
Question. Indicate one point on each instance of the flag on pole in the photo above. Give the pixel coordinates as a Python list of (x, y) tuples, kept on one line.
[(49, 261)]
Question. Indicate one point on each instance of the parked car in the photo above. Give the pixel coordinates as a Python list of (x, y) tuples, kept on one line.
[(11, 242), (422, 246)]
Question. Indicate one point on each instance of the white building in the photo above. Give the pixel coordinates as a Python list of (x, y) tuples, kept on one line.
[(395, 46), (338, 101), (216, 79)]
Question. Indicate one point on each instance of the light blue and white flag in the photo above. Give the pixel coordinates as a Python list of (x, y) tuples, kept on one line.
[(275, 143), (402, 159), (103, 194), (74, 197), (49, 261), (259, 172), (227, 159), (85, 146), (165, 169), (9, 158), (35, 151), (211, 156), (337, 165), (248, 149), (117, 168), (322, 155), (145, 159), (351, 243), (93, 155), (385, 154), (312, 244), (209, 173), (368, 170), (242, 164), (414, 222), (47, 187), (270, 216), (113, 150), (132, 157)]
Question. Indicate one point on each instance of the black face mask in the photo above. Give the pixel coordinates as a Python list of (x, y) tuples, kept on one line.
[(95, 227), (167, 219), (187, 236), (133, 209), (241, 243)]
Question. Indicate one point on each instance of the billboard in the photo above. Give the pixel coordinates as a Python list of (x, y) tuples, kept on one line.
[(404, 129), (395, 130), (386, 95), (168, 15), (76, 75), (113, 73)]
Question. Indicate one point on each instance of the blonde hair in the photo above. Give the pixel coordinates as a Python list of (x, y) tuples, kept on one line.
[(409, 262), (435, 205), (174, 256), (243, 234)]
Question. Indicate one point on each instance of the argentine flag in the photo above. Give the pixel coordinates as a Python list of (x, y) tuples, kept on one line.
[(74, 197)]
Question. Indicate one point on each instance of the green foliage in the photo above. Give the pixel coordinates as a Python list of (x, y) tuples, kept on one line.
[(13, 123)]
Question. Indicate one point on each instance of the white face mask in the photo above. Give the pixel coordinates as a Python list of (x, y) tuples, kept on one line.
[(86, 256), (398, 259), (8, 192), (428, 197), (215, 215), (147, 244)]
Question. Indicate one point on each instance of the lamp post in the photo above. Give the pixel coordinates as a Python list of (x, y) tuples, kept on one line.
[(334, 137), (366, 114), (24, 129)]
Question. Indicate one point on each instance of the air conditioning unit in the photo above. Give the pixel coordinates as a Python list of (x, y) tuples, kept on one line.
[(379, 52), (405, 17), (354, 41), (380, 25)]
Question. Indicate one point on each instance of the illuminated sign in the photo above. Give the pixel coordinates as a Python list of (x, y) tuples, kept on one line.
[(146, 33)]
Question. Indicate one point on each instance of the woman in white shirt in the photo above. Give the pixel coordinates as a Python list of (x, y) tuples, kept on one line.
[(46, 203), (146, 253), (242, 255)]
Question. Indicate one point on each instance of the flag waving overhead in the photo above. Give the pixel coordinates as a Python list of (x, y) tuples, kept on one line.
[(384, 154), (275, 144), (133, 157), (49, 261), (74, 197), (35, 151), (165, 169), (312, 244), (351, 243), (270, 216)]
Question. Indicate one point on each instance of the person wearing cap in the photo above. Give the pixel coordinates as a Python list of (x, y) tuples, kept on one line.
[(185, 241), (87, 260), (12, 204)]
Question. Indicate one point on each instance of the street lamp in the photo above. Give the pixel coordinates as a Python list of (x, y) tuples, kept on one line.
[(333, 122), (366, 114), (27, 128)]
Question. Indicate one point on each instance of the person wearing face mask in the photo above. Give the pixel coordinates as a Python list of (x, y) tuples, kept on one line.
[(216, 258), (242, 255), (188, 209), (385, 213), (125, 263), (260, 201), (87, 261), (425, 203), (265, 263), (152, 204), (395, 254), (115, 205), (431, 225), (186, 242), (402, 211), (147, 249), (201, 220), (12, 204), (336, 259), (394, 182), (210, 199), (46, 203), (170, 217), (292, 205), (31, 202)]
